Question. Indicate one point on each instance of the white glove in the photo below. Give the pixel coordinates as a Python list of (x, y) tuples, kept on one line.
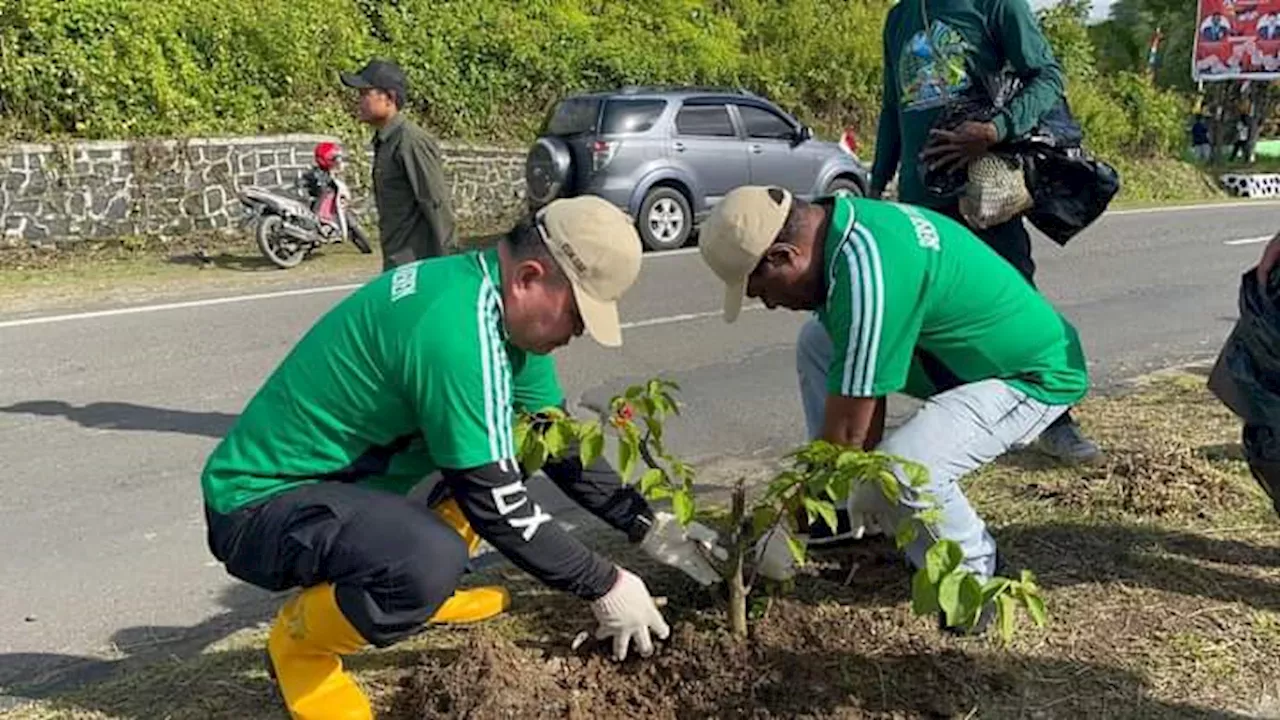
[(773, 555), (683, 547), (628, 613)]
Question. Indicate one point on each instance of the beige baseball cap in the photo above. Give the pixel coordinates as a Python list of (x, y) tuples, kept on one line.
[(736, 235), (598, 248)]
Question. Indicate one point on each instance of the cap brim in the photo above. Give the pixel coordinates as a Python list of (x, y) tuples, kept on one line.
[(355, 80), (599, 317), (733, 294)]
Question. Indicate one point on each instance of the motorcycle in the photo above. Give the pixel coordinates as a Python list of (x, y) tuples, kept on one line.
[(288, 229)]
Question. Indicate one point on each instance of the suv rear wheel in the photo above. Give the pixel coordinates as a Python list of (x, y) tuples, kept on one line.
[(665, 219)]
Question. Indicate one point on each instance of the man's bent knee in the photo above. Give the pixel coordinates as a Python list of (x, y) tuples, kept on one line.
[(398, 597)]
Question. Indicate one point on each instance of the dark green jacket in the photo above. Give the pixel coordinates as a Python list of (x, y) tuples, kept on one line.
[(415, 210), (921, 74)]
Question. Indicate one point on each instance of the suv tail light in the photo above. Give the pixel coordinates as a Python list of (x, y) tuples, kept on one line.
[(849, 142), (602, 152)]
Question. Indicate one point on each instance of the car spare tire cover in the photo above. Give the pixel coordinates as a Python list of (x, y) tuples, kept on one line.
[(546, 170)]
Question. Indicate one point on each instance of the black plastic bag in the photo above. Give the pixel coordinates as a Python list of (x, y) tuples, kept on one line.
[(1071, 190), (1251, 358)]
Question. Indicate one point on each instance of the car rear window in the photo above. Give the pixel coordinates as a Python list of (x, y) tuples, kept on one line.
[(631, 116), (573, 116)]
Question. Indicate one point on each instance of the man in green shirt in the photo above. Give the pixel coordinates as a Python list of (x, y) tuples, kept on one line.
[(907, 300), (924, 72), (415, 209), (421, 370)]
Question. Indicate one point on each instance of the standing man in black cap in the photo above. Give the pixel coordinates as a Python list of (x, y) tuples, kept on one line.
[(415, 212)]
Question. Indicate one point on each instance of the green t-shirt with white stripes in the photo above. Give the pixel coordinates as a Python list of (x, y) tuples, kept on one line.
[(917, 303), (409, 374)]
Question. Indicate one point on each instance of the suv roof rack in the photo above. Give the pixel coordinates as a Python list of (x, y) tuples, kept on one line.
[(631, 89)]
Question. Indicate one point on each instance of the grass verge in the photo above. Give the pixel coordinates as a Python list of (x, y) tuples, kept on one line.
[(1161, 569)]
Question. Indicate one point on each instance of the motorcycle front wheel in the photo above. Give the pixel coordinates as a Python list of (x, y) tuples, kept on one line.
[(283, 251), (359, 237)]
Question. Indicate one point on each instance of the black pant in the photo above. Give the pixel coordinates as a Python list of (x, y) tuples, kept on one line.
[(1013, 243), (392, 563)]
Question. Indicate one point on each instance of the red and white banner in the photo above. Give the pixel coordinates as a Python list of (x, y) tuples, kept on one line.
[(1237, 39)]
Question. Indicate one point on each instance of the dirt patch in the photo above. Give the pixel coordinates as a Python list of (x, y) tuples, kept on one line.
[(781, 672)]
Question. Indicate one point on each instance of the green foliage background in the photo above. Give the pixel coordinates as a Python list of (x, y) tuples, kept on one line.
[(484, 70)]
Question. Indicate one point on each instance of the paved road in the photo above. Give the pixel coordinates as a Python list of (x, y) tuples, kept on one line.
[(106, 420)]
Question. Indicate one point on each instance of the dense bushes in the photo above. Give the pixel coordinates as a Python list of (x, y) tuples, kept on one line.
[(480, 69)]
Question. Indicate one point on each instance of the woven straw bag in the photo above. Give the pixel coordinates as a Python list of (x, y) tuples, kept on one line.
[(996, 192)]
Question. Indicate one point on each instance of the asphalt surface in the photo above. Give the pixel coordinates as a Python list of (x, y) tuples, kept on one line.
[(105, 421)]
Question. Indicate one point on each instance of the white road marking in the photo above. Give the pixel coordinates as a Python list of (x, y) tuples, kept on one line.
[(1249, 241), (174, 306), (1188, 208), (208, 302), (684, 317), (648, 322)]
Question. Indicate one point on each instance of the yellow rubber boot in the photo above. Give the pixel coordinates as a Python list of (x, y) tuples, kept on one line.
[(473, 604), (449, 511), (309, 634)]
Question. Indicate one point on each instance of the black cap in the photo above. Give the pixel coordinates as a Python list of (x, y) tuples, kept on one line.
[(380, 74)]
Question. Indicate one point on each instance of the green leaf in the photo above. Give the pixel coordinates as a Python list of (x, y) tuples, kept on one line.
[(672, 406), (949, 596), (889, 487), (682, 503), (917, 475), (1036, 609), (930, 517), (840, 488), (848, 458), (970, 599), (797, 548), (628, 454), (655, 429), (592, 445), (924, 593), (522, 436), (1005, 608), (994, 587), (907, 532), (633, 392), (762, 518), (939, 561), (535, 455), (649, 480), (556, 440), (822, 509), (662, 492)]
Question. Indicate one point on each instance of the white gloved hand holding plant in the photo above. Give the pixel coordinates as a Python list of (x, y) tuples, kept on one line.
[(684, 548), (626, 613)]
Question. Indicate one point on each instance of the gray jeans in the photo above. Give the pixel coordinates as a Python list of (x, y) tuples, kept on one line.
[(955, 433)]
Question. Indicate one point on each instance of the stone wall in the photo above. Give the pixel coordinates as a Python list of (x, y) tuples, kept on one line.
[(107, 190)]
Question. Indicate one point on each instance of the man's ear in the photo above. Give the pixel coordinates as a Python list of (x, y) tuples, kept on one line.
[(530, 272), (781, 254)]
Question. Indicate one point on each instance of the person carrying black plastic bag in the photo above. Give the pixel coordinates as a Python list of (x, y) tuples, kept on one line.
[(939, 55)]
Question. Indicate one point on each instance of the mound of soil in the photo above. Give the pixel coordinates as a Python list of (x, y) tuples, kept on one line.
[(801, 662)]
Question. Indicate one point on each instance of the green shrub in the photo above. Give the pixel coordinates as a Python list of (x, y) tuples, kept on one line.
[(479, 69)]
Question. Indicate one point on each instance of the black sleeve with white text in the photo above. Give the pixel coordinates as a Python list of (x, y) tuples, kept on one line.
[(497, 504)]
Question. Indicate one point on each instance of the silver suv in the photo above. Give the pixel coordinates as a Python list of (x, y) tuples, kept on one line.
[(667, 155)]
